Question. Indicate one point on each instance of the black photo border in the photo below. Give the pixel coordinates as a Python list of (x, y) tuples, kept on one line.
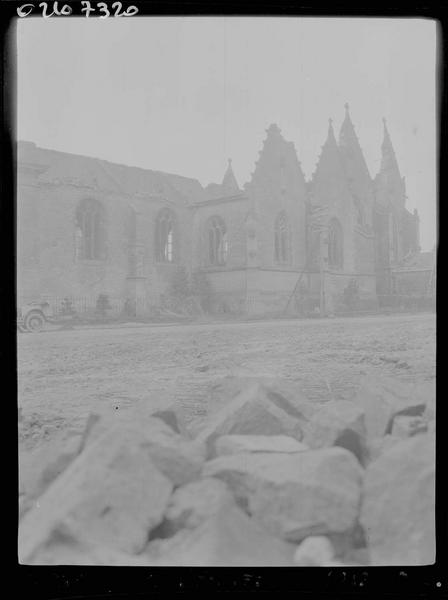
[(64, 582)]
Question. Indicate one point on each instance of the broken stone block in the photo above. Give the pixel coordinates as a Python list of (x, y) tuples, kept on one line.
[(177, 457), (398, 508), (383, 399), (227, 539), (404, 426), (285, 394), (338, 423), (380, 445), (111, 495), (295, 495), (39, 467), (66, 549), (250, 413), (195, 502), (314, 551), (174, 418), (235, 444)]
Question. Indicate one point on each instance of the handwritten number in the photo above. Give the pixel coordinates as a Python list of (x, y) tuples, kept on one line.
[(87, 8), (26, 9), (132, 10), (44, 10), (102, 6), (118, 6), (21, 10)]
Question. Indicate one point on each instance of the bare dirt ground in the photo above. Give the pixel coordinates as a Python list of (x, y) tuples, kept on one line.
[(64, 375)]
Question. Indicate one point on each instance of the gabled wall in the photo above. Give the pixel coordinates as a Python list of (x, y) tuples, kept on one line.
[(278, 185)]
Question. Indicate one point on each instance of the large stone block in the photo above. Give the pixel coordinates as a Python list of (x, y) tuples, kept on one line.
[(398, 508), (384, 398), (285, 394), (179, 458), (227, 539), (112, 496), (338, 423), (195, 502), (250, 413), (295, 495), (39, 467), (378, 446)]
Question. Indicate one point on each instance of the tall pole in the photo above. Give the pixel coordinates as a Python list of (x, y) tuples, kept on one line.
[(322, 275)]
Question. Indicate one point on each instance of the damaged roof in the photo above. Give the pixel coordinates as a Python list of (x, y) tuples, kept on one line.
[(73, 169)]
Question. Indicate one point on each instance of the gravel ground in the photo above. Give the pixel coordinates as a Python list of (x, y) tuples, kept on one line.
[(64, 374)]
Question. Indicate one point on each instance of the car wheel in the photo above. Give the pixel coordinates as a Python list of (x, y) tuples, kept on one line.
[(34, 321)]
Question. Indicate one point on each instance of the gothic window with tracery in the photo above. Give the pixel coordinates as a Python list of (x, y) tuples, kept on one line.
[(90, 230), (217, 241), (164, 236), (335, 245), (282, 252)]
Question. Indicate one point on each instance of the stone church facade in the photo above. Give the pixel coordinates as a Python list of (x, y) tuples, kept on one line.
[(87, 227)]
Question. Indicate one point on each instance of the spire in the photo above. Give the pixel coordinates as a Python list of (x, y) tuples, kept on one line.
[(276, 165), (273, 129), (354, 160), (229, 182), (330, 137), (388, 159), (389, 185), (329, 166), (347, 135)]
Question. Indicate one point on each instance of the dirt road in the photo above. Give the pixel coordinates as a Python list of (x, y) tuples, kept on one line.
[(63, 375)]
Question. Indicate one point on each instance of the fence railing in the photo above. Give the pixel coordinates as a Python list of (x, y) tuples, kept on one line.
[(90, 307)]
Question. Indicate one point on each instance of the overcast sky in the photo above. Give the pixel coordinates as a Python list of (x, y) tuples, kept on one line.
[(183, 94)]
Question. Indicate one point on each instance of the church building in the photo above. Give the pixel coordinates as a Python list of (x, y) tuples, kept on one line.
[(87, 227)]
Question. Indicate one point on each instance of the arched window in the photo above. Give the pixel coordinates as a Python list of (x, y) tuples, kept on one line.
[(217, 241), (164, 236), (90, 231), (335, 244), (281, 239)]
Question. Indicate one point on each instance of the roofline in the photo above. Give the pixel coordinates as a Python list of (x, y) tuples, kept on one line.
[(220, 200), (102, 160)]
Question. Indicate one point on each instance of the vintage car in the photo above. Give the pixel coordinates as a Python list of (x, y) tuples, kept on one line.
[(32, 316)]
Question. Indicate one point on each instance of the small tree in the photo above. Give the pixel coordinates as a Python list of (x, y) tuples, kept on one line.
[(129, 308), (201, 288), (188, 294), (67, 307), (102, 304), (351, 294), (180, 287)]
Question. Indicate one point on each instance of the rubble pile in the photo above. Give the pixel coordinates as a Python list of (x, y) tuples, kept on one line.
[(270, 479)]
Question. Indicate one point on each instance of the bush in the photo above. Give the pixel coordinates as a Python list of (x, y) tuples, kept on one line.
[(201, 289), (351, 295), (180, 287), (188, 294), (102, 304), (67, 307)]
